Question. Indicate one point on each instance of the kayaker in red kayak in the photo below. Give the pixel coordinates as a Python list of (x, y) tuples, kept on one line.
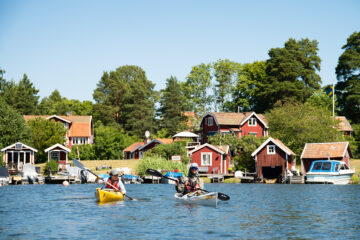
[(191, 183), (114, 180)]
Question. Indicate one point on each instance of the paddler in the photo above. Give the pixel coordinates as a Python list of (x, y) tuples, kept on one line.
[(113, 182), (191, 183)]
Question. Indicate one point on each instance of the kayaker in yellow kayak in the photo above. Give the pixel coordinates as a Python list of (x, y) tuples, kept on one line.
[(113, 182), (191, 183)]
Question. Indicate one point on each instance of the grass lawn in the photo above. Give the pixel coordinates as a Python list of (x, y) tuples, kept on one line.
[(92, 164)]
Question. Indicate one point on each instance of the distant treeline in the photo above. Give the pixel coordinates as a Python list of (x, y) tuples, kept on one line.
[(125, 102)]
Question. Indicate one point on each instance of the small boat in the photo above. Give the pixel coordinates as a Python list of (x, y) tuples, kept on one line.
[(270, 181), (330, 172), (108, 195), (198, 197)]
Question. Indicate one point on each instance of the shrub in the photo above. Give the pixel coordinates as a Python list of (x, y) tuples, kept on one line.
[(83, 152), (52, 164), (168, 150), (159, 163)]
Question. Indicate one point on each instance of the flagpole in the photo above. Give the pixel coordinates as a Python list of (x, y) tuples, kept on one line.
[(333, 98)]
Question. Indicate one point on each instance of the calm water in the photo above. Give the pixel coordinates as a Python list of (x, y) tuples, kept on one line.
[(254, 212)]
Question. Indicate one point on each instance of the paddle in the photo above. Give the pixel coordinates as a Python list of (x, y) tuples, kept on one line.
[(155, 173), (81, 166)]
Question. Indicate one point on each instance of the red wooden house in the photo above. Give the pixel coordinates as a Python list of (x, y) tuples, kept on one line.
[(321, 151), (239, 124), (211, 159), (272, 159), (79, 128), (137, 149), (16, 155), (58, 153)]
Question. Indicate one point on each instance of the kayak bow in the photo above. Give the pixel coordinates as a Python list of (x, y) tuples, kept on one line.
[(108, 195)]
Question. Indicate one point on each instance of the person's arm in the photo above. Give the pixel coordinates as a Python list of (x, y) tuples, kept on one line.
[(121, 187), (201, 183), (101, 181)]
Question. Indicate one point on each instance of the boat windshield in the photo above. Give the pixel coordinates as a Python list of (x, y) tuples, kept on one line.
[(337, 166), (317, 166), (344, 167), (326, 166)]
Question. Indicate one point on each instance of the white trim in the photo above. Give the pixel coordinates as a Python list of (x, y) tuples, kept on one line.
[(268, 150), (208, 121), (252, 125), (62, 119), (13, 145), (266, 142), (245, 120), (209, 146), (57, 145), (201, 160), (210, 114)]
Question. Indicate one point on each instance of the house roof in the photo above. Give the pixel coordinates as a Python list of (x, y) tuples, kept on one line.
[(159, 140), (133, 147), (185, 134), (57, 146), (232, 118), (80, 126), (325, 150), (278, 143), (23, 146), (220, 149), (344, 125)]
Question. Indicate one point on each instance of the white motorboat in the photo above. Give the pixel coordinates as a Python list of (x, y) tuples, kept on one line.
[(329, 172)]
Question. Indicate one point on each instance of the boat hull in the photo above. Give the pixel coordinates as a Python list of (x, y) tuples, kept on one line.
[(340, 179), (199, 197), (108, 195)]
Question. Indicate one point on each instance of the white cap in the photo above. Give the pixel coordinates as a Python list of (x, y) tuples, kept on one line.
[(194, 165)]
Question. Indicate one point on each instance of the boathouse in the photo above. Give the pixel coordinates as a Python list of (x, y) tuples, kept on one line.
[(238, 124), (211, 159), (272, 159), (16, 155), (320, 151), (58, 153)]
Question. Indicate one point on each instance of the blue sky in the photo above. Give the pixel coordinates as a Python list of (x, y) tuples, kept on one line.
[(67, 45)]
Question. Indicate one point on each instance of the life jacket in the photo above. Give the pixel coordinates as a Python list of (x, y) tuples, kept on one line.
[(192, 184), (115, 184)]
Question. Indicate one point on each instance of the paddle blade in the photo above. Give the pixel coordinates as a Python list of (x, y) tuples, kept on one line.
[(130, 197), (78, 164), (153, 172), (223, 196)]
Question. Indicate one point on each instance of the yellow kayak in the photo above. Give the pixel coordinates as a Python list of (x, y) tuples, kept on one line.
[(108, 195)]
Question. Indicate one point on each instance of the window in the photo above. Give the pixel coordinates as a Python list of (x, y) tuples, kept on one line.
[(337, 166), (209, 121), (252, 133), (54, 156), (317, 166), (252, 121), (326, 166), (343, 167), (271, 149), (206, 159)]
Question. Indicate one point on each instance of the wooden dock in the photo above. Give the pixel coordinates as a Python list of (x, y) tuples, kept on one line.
[(58, 179), (151, 179)]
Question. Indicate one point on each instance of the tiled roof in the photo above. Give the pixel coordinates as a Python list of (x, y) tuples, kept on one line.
[(325, 150), (165, 140), (284, 146), (80, 125), (224, 148), (231, 118), (133, 146), (344, 125)]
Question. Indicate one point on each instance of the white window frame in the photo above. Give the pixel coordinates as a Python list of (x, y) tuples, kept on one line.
[(210, 121), (269, 151), (210, 160), (252, 133), (252, 121)]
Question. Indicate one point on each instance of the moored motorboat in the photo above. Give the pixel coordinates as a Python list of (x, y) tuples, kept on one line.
[(329, 172), (108, 195), (198, 197)]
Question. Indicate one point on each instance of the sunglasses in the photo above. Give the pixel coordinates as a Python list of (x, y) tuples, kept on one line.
[(192, 168)]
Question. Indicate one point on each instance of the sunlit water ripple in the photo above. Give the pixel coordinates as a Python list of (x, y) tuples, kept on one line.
[(254, 212)]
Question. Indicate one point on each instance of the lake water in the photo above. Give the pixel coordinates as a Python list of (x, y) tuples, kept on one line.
[(254, 211)]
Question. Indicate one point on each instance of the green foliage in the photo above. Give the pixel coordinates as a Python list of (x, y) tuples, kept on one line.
[(83, 152), (296, 124), (291, 74), (241, 149), (110, 141), (348, 74), (224, 72), (159, 163), (249, 78), (172, 108), (44, 134), (168, 150), (51, 165), (320, 99), (126, 96), (22, 96), (12, 126), (197, 84)]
